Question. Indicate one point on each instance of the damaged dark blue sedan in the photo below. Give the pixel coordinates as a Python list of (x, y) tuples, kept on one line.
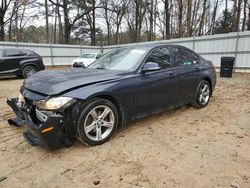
[(89, 104)]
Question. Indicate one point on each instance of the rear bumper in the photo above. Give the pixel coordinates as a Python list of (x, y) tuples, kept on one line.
[(214, 81), (48, 134), (41, 65)]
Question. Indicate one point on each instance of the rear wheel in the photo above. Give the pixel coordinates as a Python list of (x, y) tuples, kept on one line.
[(203, 94), (97, 122), (28, 71)]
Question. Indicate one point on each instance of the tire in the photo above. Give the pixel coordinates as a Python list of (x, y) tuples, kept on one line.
[(203, 95), (97, 122), (28, 71)]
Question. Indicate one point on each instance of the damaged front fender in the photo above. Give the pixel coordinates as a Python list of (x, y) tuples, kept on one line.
[(48, 134)]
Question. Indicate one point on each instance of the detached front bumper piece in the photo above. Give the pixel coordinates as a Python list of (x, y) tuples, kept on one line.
[(47, 134)]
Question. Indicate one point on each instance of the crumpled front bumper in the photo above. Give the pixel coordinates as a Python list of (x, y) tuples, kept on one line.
[(48, 134)]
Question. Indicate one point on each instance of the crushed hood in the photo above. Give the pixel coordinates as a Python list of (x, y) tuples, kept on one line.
[(55, 82)]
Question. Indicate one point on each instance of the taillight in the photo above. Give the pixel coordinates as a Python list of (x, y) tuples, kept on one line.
[(213, 66)]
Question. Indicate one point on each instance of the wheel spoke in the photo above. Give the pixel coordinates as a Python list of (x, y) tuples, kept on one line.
[(200, 98), (94, 114), (98, 133), (205, 93), (204, 88), (105, 113), (90, 127), (108, 124)]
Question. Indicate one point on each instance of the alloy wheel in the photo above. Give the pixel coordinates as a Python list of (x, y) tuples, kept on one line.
[(204, 94), (30, 71), (99, 123)]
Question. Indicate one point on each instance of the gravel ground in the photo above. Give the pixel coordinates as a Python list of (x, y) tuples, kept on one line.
[(185, 147)]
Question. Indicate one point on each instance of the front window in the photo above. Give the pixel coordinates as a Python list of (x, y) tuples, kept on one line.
[(121, 59), (161, 57)]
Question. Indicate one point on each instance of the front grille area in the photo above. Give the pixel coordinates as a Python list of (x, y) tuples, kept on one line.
[(41, 115)]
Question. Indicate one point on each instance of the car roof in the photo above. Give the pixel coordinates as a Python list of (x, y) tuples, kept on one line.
[(22, 49), (10, 49)]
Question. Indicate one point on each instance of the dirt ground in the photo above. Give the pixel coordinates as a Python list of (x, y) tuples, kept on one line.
[(185, 147)]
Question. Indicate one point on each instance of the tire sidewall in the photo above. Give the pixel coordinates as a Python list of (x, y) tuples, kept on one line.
[(86, 109)]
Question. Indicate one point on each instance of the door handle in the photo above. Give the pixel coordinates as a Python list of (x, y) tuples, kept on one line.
[(197, 69)]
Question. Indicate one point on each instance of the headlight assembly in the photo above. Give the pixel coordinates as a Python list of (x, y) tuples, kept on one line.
[(54, 103)]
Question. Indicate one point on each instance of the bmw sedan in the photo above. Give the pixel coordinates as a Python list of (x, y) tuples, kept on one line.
[(59, 107)]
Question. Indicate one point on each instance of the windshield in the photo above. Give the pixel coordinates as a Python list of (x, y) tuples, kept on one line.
[(121, 59), (88, 56)]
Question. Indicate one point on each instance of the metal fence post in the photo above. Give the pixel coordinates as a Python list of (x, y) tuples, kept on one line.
[(51, 55), (101, 49), (236, 50), (193, 43), (81, 50)]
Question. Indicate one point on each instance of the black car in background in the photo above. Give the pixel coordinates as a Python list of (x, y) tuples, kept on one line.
[(19, 62), (123, 85)]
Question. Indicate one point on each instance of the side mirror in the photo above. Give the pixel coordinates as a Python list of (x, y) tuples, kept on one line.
[(150, 66)]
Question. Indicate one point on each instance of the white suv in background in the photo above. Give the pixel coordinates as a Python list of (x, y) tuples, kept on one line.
[(85, 59)]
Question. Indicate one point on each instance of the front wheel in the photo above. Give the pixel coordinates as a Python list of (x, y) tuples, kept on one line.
[(97, 122), (203, 95)]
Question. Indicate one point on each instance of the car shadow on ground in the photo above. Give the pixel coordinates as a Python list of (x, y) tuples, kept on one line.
[(4, 78), (166, 113), (121, 131)]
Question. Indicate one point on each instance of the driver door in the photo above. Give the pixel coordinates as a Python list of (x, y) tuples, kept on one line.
[(154, 91)]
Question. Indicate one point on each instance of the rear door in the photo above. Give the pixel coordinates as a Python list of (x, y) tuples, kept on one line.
[(10, 62), (188, 73)]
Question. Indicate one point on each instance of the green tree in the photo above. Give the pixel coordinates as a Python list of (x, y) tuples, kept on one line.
[(224, 25), (34, 34)]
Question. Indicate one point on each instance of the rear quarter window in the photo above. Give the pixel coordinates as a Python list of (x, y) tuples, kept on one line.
[(28, 52), (11, 52)]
